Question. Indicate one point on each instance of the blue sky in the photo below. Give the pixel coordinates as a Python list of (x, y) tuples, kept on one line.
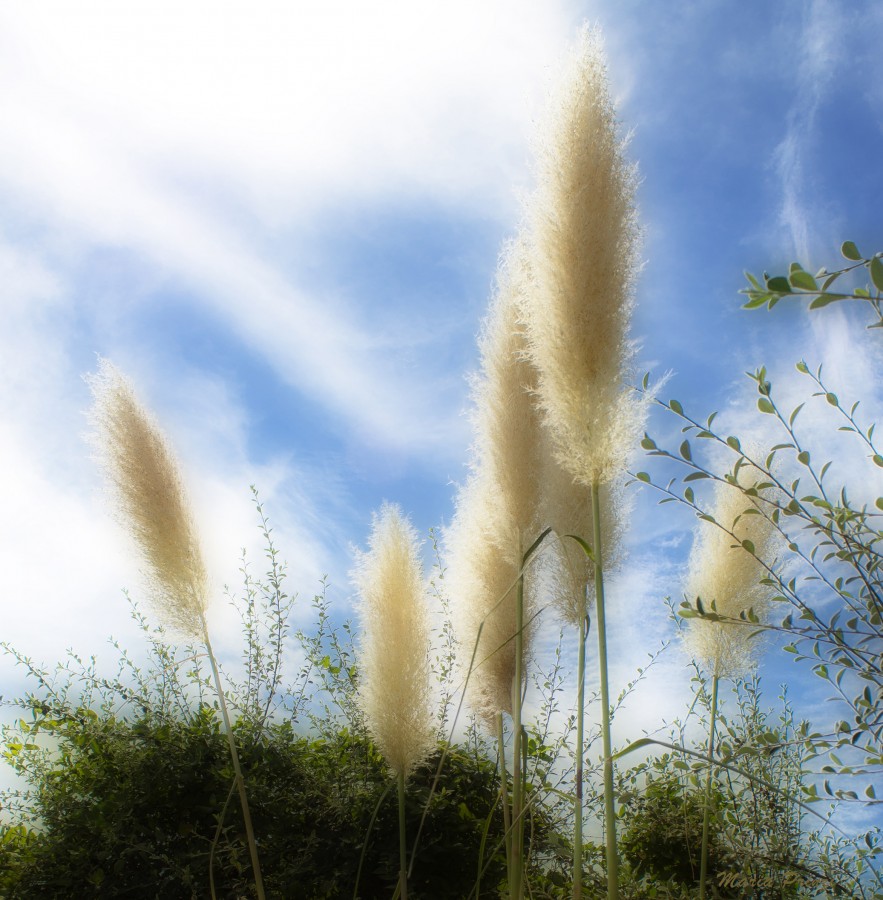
[(283, 223)]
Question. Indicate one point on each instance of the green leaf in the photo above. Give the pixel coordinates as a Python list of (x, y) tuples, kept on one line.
[(779, 285), (878, 460), (695, 476), (794, 413), (824, 300), (830, 280), (803, 457), (803, 280), (876, 269), (685, 451), (753, 281), (765, 406), (748, 545), (643, 476), (832, 399), (879, 503), (648, 443), (676, 407), (850, 251), (802, 367), (734, 443)]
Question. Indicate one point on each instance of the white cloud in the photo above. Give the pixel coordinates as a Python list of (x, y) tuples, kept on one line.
[(820, 49), (192, 137)]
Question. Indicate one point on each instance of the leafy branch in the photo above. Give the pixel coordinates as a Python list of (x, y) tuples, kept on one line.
[(800, 283)]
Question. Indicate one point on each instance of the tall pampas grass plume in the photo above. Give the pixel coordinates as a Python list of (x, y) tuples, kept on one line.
[(395, 693), (585, 241), (151, 500), (496, 525), (505, 418), (496, 510), (153, 505)]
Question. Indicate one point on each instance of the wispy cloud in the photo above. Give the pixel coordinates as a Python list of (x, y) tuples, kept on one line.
[(819, 48), (148, 138)]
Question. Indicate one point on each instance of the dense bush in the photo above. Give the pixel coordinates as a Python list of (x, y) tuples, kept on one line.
[(140, 808)]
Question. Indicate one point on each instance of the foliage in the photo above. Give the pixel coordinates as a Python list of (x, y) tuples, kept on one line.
[(760, 843), (801, 284), (133, 807), (829, 585)]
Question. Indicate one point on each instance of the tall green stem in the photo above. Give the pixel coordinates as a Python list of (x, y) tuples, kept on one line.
[(516, 886), (580, 753), (609, 803), (403, 843), (504, 790), (237, 770), (706, 816)]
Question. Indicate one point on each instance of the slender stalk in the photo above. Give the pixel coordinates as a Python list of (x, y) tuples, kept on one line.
[(706, 816), (237, 770), (507, 819), (403, 843), (609, 803), (516, 887), (580, 753)]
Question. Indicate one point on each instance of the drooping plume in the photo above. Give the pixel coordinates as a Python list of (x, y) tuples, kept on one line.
[(584, 245), (153, 504), (726, 577), (395, 690)]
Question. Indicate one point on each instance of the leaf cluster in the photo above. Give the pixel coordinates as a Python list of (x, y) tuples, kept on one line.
[(799, 283)]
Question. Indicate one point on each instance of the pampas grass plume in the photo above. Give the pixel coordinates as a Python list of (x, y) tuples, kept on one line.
[(151, 500), (585, 239), (496, 516), (395, 690), (483, 582), (726, 577), (505, 418)]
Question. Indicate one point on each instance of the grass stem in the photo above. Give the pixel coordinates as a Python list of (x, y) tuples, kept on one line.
[(237, 770), (580, 752), (600, 624), (706, 815), (403, 842), (516, 885)]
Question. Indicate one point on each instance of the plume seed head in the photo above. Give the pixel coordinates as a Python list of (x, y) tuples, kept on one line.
[(726, 577), (505, 418), (496, 515), (151, 501), (584, 244), (395, 691), (483, 582)]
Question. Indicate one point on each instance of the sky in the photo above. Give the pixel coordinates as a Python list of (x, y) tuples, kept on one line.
[(282, 221)]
